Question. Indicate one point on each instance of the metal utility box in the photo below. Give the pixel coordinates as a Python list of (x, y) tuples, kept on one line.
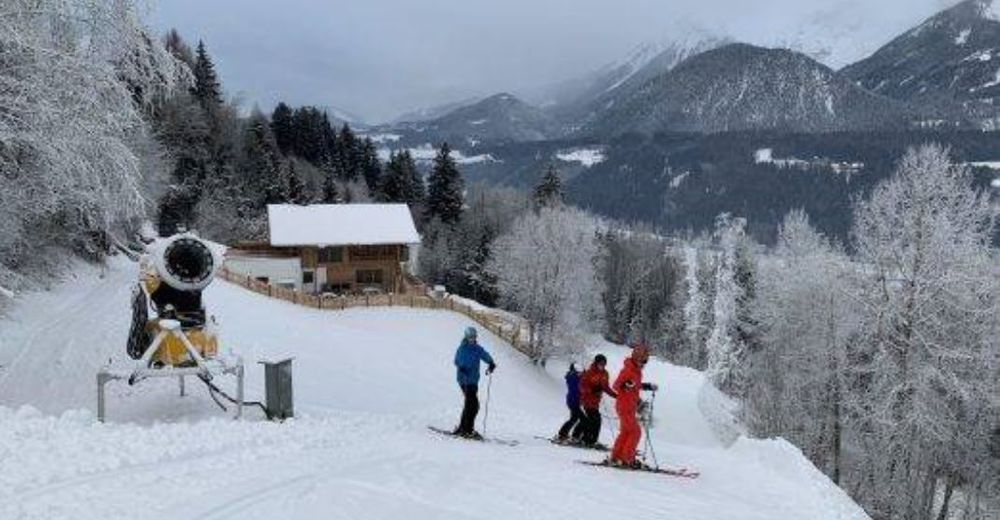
[(278, 388)]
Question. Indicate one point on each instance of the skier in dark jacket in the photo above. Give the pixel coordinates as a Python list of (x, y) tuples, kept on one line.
[(467, 359), (573, 403)]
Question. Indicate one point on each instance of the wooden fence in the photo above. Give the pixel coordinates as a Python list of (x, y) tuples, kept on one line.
[(507, 327)]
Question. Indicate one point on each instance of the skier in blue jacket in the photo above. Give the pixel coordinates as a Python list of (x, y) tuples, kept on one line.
[(573, 403), (467, 359)]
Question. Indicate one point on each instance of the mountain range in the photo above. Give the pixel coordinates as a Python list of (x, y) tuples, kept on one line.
[(944, 72)]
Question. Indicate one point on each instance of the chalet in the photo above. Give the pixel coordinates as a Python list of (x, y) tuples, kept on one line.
[(332, 248)]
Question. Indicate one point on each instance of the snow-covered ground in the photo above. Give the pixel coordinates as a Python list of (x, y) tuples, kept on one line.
[(367, 382), (585, 156), (426, 153)]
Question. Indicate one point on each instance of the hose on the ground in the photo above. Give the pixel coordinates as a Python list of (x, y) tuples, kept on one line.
[(214, 390)]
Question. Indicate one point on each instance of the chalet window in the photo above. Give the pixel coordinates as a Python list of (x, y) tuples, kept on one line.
[(263, 279), (308, 277), (331, 255), (404, 254), (369, 276)]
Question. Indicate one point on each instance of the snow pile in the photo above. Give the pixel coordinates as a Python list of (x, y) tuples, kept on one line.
[(367, 382), (586, 156)]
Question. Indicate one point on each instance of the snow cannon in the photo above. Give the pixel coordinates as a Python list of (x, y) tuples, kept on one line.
[(172, 277), (171, 333)]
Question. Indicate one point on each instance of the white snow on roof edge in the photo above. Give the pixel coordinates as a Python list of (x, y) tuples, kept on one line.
[(340, 225)]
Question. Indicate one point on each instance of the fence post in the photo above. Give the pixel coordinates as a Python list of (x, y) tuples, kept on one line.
[(368, 301)]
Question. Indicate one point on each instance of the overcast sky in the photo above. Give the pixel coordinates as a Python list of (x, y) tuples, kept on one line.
[(380, 58)]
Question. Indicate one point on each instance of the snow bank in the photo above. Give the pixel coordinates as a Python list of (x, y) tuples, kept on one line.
[(586, 156), (721, 413), (782, 459)]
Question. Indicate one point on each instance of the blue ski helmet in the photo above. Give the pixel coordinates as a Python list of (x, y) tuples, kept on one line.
[(471, 333)]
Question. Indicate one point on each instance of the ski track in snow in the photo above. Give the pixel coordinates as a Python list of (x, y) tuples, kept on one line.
[(367, 383)]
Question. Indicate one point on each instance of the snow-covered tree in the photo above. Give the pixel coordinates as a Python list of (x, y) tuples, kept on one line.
[(808, 319), (544, 267), (931, 305), (730, 340), (77, 77)]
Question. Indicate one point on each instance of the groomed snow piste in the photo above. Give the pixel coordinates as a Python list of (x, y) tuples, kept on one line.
[(367, 383)]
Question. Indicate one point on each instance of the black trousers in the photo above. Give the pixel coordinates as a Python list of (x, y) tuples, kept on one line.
[(467, 424), (575, 419), (590, 426)]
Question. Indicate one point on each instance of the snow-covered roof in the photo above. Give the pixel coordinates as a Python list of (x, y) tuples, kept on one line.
[(340, 225)]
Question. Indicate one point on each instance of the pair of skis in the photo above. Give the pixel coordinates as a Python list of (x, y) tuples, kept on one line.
[(570, 443), (644, 468), (491, 440)]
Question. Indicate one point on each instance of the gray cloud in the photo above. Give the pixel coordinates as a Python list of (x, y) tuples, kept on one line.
[(378, 58)]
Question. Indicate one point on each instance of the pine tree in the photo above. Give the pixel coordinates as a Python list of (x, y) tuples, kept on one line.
[(416, 191), (349, 152), (549, 192), (445, 187), (296, 188), (393, 187), (309, 135), (206, 84), (402, 181), (330, 195), (282, 127), (371, 167), (261, 168)]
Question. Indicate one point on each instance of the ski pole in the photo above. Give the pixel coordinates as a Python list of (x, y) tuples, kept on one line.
[(486, 412), (645, 426)]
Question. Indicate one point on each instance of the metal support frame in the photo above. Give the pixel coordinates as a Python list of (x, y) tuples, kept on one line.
[(206, 368)]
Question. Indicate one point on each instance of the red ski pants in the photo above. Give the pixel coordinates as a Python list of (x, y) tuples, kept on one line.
[(628, 439)]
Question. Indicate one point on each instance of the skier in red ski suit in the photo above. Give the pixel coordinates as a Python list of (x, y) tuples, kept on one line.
[(627, 386)]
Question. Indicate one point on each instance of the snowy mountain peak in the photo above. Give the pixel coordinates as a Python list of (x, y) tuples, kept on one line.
[(947, 62), (742, 87)]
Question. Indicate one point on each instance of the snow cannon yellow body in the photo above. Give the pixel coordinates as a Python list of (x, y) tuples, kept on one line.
[(172, 277)]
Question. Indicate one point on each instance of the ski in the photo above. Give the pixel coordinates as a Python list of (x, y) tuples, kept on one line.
[(573, 444), (673, 472), (491, 440)]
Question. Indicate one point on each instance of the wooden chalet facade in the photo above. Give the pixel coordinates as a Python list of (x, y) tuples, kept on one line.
[(333, 248)]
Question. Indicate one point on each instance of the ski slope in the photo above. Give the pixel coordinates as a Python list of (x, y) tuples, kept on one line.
[(367, 383)]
